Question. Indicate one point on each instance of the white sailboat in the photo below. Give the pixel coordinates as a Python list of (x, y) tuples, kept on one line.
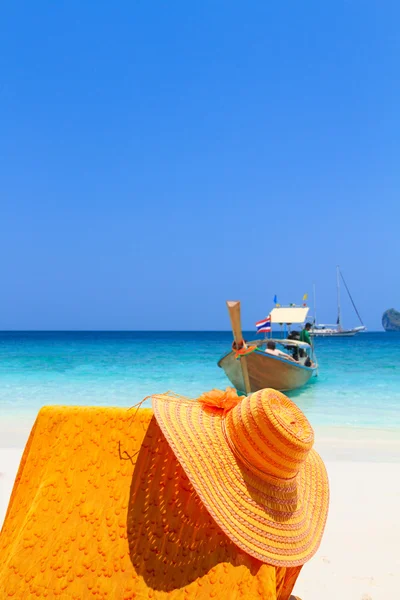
[(337, 330)]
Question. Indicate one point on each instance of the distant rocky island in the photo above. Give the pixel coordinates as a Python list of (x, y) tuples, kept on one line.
[(391, 320)]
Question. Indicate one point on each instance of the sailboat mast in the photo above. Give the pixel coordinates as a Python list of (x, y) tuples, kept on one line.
[(315, 305), (339, 319)]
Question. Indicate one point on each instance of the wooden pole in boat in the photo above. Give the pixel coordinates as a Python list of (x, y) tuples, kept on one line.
[(234, 314)]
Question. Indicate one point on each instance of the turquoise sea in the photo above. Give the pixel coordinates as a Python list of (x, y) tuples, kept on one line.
[(358, 382)]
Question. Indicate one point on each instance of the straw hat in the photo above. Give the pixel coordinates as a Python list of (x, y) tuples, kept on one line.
[(251, 462)]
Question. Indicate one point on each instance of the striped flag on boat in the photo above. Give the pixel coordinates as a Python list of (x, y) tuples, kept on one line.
[(264, 325)]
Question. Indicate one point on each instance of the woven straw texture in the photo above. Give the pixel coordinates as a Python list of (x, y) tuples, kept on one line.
[(254, 469), (102, 509)]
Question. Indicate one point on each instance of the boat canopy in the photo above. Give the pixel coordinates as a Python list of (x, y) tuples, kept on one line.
[(289, 314)]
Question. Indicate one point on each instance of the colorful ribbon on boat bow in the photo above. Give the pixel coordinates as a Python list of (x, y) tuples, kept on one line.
[(244, 351)]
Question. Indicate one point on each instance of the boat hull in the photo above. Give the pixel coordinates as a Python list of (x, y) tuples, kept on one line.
[(335, 334), (325, 332), (266, 371)]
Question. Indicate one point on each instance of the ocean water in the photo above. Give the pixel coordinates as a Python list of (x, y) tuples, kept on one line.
[(358, 383)]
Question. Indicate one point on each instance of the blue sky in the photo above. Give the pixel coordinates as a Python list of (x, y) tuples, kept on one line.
[(159, 158)]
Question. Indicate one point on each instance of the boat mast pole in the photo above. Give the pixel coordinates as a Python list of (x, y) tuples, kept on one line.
[(338, 299), (315, 306)]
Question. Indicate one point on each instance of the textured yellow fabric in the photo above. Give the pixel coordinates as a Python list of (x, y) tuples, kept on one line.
[(102, 509)]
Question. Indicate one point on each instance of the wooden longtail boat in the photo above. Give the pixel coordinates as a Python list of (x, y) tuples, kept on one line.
[(250, 367)]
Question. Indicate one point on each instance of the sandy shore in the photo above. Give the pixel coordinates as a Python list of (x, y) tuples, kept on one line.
[(359, 558)]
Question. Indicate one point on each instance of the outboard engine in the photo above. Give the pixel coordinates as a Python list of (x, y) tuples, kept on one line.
[(294, 335)]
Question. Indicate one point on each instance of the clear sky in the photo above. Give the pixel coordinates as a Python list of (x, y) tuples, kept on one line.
[(159, 158)]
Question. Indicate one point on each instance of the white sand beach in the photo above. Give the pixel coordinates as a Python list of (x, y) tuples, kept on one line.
[(359, 558)]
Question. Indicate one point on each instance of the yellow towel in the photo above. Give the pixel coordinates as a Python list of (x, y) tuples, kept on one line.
[(102, 509)]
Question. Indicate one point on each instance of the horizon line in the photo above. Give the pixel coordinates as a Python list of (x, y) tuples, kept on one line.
[(148, 331)]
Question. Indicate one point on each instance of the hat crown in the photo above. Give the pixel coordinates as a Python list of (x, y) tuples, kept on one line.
[(270, 434)]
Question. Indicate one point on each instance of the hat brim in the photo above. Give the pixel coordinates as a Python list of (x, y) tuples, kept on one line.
[(278, 522)]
